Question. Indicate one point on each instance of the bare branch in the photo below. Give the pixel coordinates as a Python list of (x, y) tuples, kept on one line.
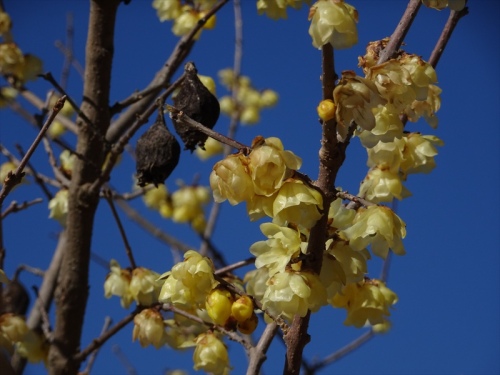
[(182, 117), (14, 178), (108, 196), (258, 353), (93, 356), (151, 228), (401, 30), (98, 342), (15, 207)]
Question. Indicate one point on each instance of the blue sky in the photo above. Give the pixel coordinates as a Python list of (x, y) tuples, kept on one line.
[(447, 317)]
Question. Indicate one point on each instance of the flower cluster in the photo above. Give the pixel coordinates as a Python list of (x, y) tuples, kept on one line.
[(185, 205), (185, 14), (366, 302), (15, 335), (276, 9), (334, 22), (264, 180), (248, 101), (140, 285), (20, 67)]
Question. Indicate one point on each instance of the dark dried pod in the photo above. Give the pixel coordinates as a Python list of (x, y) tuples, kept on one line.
[(198, 103), (157, 153), (15, 298)]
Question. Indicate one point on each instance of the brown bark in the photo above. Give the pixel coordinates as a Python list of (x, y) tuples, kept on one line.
[(72, 290)]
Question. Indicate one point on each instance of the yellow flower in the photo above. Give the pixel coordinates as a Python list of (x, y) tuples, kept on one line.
[(386, 155), (186, 21), (149, 328), (145, 286), (218, 305), (456, 5), (58, 207), (394, 84), (210, 355), (426, 108), (155, 197), (189, 282), (208, 82), (274, 9), (167, 9), (67, 162), (5, 23), (12, 330), (188, 203), (340, 216), (294, 293), (366, 302), (355, 98), (334, 22), (230, 179), (11, 59), (421, 72), (379, 227), (33, 347), (326, 109), (388, 126), (270, 165), (382, 185), (297, 203), (419, 152), (242, 309), (281, 246), (268, 98), (118, 284), (256, 282), (353, 262), (7, 95), (212, 148)]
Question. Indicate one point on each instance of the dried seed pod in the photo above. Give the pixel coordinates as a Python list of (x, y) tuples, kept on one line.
[(15, 298), (157, 153), (197, 102)]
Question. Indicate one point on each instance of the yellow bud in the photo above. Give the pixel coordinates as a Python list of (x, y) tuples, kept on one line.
[(211, 22), (242, 309), (326, 109), (218, 306), (248, 326), (56, 129)]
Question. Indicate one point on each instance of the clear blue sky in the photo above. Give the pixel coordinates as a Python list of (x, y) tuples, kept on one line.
[(447, 317)]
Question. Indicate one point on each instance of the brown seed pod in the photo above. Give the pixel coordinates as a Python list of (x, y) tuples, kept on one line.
[(157, 153), (198, 103)]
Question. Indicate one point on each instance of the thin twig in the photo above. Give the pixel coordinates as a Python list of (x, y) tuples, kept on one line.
[(43, 314), (129, 367), (355, 199), (93, 356), (446, 35), (151, 228), (14, 178), (353, 345), (128, 249), (182, 117), (39, 104), (35, 174), (76, 64), (98, 342), (15, 207), (400, 32), (68, 56), (234, 266), (258, 353)]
